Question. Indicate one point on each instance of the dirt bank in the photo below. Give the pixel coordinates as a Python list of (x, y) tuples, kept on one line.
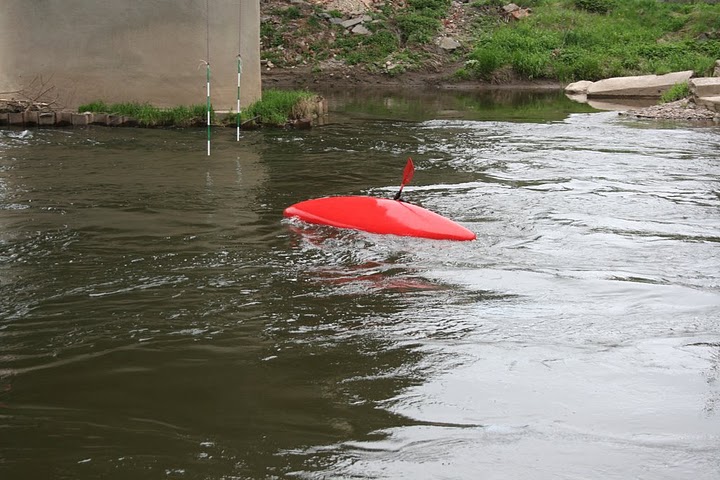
[(334, 74)]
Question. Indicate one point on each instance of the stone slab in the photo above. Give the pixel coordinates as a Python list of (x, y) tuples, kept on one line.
[(637, 86), (705, 86), (80, 119), (63, 119), (46, 119), (98, 118), (16, 118), (352, 22), (31, 118), (711, 103), (114, 120), (129, 122)]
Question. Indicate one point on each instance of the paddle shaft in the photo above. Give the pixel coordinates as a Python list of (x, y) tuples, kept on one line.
[(407, 176)]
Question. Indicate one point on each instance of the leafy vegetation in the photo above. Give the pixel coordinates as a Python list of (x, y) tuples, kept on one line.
[(599, 39), (367, 50), (150, 116), (276, 107), (676, 92), (419, 23)]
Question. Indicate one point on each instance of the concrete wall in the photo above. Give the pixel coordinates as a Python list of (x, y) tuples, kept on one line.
[(130, 50)]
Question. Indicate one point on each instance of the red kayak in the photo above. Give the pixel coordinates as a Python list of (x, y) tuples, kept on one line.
[(378, 215)]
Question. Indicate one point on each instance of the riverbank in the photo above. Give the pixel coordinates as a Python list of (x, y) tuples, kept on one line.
[(492, 42), (337, 75)]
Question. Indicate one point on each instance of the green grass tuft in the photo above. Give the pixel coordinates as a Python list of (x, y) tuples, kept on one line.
[(150, 116), (676, 92), (278, 106)]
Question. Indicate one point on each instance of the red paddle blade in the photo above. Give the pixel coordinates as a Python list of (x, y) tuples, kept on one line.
[(408, 172)]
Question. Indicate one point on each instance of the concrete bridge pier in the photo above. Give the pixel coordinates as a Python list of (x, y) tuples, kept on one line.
[(78, 51)]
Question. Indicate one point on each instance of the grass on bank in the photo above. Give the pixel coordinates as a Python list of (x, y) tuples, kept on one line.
[(676, 92), (392, 32), (151, 116), (275, 108), (572, 40)]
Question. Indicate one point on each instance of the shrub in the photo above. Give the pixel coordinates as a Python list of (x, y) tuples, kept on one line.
[(530, 65), (483, 63), (416, 28)]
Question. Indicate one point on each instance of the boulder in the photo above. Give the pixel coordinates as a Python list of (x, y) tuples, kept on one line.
[(448, 43), (716, 72), (578, 87), (637, 86)]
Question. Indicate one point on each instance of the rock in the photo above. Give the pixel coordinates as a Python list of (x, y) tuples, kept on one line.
[(579, 87), (302, 123), (679, 110), (516, 12), (348, 7), (352, 22), (716, 72), (637, 86), (705, 86), (360, 30), (448, 43)]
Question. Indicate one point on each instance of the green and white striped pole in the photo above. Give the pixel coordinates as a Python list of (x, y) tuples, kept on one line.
[(239, 65), (207, 67), (207, 107)]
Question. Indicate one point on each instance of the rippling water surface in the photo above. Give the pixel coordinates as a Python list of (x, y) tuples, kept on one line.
[(159, 318)]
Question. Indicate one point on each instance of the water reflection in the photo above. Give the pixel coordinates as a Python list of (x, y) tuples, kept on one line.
[(423, 104)]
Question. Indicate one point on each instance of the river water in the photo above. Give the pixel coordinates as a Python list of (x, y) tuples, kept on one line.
[(160, 319)]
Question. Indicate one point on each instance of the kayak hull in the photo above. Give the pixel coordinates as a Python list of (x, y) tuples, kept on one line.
[(378, 215)]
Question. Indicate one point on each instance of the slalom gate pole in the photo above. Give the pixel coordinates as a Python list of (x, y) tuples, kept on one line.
[(207, 107), (239, 65), (207, 67)]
